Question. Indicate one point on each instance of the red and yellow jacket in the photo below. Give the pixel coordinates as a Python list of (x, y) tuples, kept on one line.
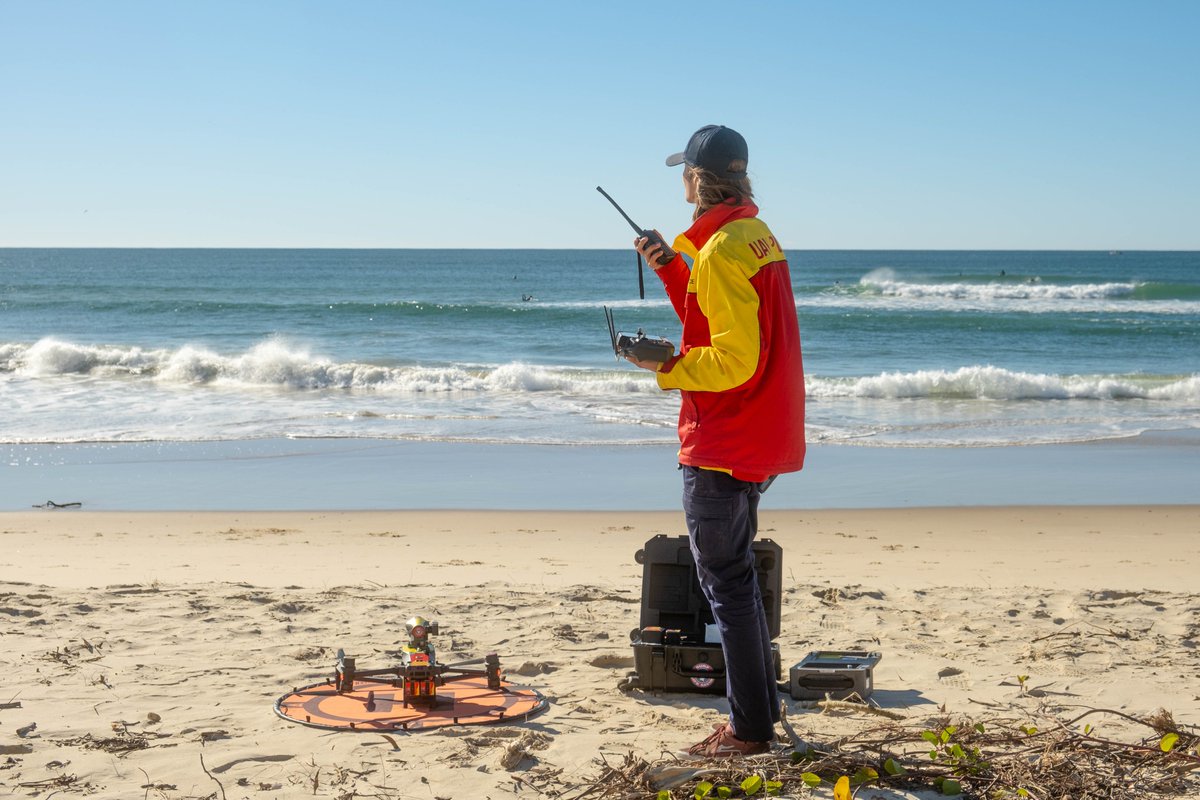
[(739, 367)]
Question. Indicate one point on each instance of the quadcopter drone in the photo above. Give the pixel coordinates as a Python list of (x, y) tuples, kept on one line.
[(419, 674)]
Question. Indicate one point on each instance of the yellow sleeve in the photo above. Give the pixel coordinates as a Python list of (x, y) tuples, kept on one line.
[(730, 302)]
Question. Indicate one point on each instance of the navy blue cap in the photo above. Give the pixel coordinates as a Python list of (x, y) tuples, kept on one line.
[(714, 148)]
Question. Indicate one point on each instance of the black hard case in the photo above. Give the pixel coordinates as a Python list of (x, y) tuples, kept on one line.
[(670, 653), (836, 674)]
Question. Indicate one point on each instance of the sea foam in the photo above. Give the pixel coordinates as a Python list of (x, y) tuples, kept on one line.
[(884, 288), (996, 383), (279, 365), (886, 283)]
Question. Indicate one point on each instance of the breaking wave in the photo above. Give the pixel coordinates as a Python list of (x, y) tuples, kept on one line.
[(884, 282), (995, 383), (278, 365), (1030, 295)]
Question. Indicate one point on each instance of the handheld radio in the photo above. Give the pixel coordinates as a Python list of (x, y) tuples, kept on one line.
[(640, 231)]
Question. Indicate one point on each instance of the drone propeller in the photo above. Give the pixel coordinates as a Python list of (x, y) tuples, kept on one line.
[(465, 663)]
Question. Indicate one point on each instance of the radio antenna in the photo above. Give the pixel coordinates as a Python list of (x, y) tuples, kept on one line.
[(621, 211), (639, 232)]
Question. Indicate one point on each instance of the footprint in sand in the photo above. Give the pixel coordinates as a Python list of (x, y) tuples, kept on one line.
[(958, 678), (930, 648), (833, 622), (1094, 670)]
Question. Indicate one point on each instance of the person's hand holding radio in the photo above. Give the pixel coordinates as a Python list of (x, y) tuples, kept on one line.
[(654, 249)]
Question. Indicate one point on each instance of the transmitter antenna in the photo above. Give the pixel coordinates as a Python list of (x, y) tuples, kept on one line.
[(640, 232)]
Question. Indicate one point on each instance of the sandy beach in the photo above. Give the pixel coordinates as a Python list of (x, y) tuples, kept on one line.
[(143, 651), (311, 322)]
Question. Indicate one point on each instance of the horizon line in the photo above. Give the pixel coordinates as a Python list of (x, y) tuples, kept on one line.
[(1109, 250)]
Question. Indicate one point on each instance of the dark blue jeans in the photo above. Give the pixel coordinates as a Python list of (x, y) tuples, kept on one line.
[(722, 521)]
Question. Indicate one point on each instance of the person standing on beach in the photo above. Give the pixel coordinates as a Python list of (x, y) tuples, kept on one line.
[(741, 423)]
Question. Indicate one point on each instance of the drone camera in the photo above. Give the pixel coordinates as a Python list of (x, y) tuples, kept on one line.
[(419, 627)]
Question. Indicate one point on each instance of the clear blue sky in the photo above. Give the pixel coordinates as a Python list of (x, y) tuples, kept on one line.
[(488, 124)]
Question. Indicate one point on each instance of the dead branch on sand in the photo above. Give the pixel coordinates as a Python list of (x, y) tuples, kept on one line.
[(993, 757)]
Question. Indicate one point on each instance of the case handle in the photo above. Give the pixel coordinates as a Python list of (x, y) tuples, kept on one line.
[(826, 682)]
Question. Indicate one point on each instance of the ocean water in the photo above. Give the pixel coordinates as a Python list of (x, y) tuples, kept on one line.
[(902, 349)]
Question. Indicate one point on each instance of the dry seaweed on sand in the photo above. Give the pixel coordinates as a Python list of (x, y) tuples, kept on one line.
[(121, 744), (1041, 757)]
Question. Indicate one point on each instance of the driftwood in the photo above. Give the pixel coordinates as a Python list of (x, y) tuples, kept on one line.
[(50, 504)]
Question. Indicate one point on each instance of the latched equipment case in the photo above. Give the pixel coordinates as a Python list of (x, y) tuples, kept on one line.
[(836, 674), (675, 647)]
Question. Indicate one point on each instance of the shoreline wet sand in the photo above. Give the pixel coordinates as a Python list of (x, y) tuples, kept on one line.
[(373, 474)]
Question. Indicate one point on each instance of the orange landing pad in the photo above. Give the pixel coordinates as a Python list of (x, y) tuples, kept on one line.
[(463, 701)]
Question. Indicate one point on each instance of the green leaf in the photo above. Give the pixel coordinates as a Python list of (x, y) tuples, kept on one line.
[(1087, 730), (811, 779), (752, 785), (663, 794), (945, 737), (774, 787), (703, 789), (1167, 742), (1022, 793), (892, 768), (865, 774), (929, 736), (724, 792), (951, 787), (979, 727), (1028, 730)]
